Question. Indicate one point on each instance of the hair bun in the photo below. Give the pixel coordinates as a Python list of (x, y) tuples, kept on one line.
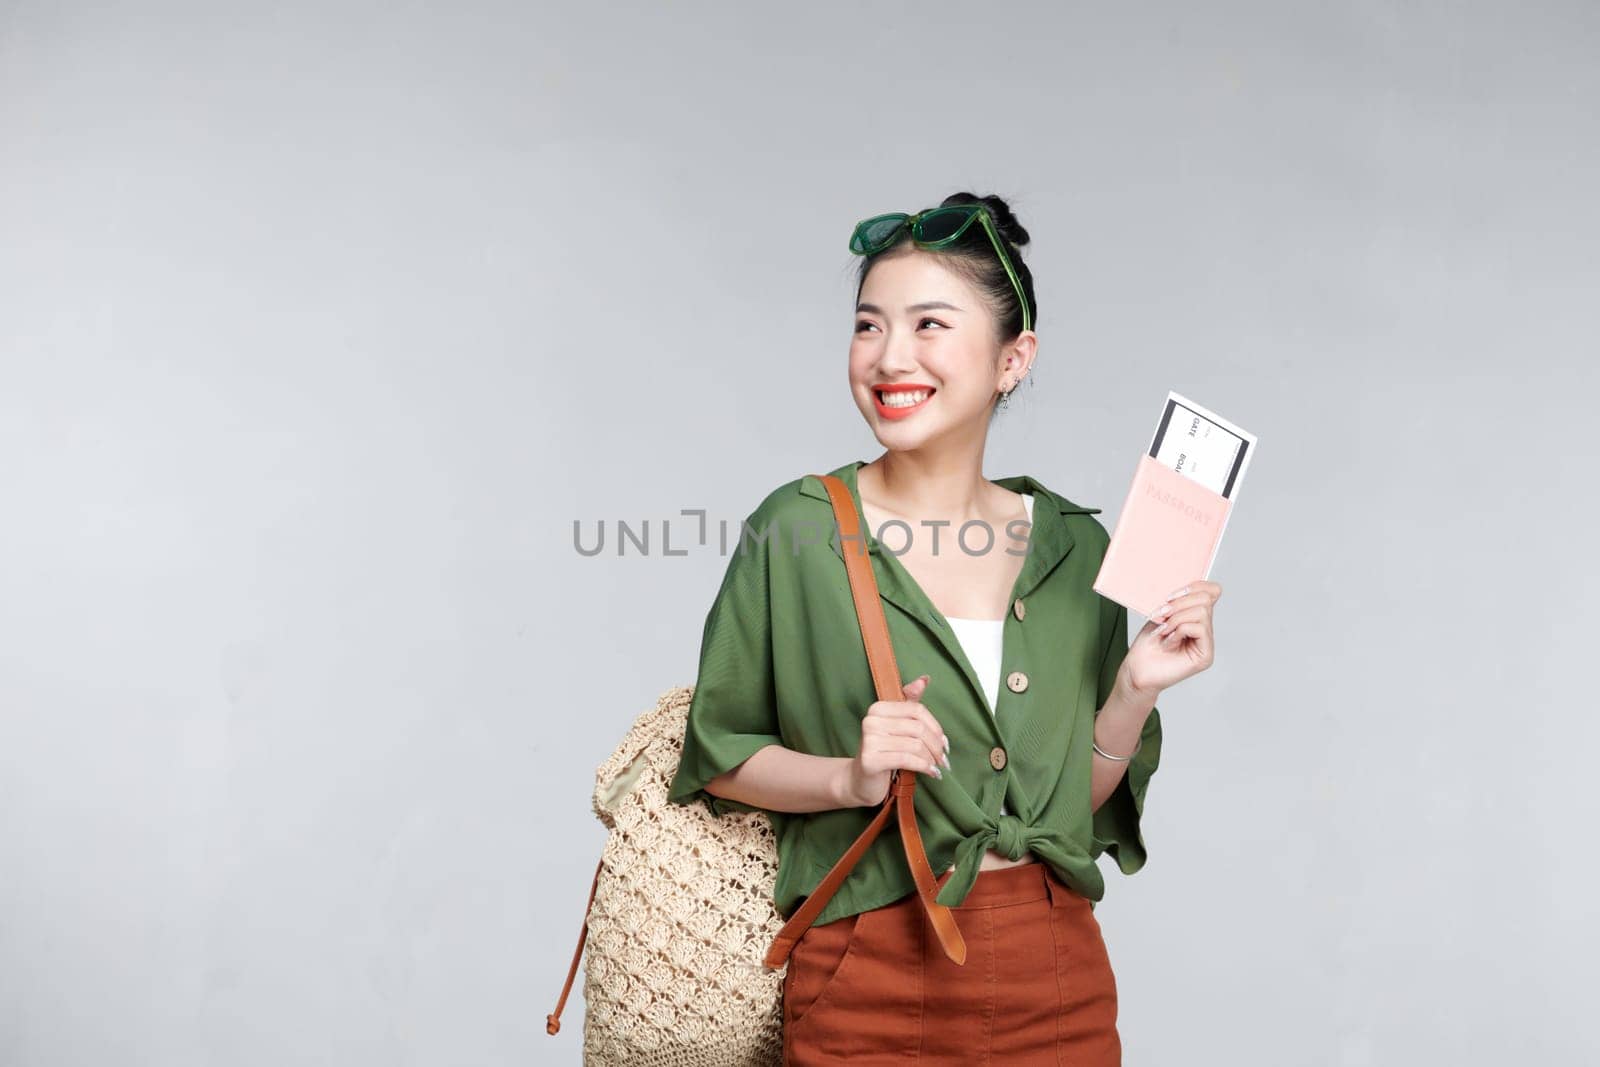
[(1005, 220)]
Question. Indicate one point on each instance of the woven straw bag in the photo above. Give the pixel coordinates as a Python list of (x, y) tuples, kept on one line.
[(681, 903), (679, 917)]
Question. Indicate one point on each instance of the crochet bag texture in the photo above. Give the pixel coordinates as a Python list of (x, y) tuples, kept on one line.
[(680, 916)]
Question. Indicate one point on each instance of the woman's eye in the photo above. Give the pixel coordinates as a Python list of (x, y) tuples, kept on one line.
[(936, 322), (863, 324)]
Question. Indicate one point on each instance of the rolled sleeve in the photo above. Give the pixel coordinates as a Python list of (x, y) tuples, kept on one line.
[(733, 713), (1116, 822)]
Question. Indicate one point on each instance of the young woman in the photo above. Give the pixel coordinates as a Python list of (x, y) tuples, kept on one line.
[(1028, 714)]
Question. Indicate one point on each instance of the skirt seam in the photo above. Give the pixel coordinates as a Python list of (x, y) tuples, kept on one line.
[(922, 985), (994, 993), (1061, 996)]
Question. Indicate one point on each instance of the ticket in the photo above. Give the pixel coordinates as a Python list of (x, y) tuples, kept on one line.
[(1202, 445)]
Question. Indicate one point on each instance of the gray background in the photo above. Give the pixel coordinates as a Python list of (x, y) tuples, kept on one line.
[(321, 323)]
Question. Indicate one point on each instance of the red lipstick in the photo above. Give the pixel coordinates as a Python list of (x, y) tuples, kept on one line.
[(889, 412)]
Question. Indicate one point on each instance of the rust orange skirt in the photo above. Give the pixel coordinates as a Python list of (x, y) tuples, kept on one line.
[(1036, 988)]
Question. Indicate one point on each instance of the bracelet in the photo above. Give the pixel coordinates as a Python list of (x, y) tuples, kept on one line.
[(1118, 759)]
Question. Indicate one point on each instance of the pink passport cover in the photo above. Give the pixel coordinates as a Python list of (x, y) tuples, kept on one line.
[(1166, 536)]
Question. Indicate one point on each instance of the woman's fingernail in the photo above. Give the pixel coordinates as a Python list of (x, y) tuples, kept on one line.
[(946, 741), (934, 768), (945, 760)]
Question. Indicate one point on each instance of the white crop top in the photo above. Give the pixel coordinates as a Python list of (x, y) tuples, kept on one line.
[(982, 639)]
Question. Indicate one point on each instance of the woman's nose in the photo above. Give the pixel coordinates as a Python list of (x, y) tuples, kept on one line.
[(897, 355)]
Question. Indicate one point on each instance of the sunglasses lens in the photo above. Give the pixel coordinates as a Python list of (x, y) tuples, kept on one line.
[(876, 232), (944, 223)]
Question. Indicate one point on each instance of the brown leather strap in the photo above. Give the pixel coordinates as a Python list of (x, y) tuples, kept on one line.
[(552, 1022), (902, 784)]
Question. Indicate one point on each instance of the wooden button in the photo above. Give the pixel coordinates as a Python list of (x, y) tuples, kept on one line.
[(1017, 609), (997, 758), (1016, 681)]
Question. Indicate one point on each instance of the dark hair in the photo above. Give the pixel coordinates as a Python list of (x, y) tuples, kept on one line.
[(972, 256)]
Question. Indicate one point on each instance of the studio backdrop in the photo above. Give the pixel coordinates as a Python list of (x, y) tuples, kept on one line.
[(329, 332)]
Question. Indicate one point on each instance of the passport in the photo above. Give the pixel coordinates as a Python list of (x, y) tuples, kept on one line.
[(1177, 506)]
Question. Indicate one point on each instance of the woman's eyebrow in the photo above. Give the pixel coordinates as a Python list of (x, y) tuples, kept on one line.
[(927, 305)]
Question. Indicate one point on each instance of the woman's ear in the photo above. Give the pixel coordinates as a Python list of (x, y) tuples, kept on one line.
[(1017, 357)]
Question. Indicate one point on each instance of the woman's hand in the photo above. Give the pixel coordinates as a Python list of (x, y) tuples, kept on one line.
[(1175, 642), (896, 735)]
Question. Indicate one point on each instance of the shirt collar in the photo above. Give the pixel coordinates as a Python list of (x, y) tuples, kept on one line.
[(1050, 539)]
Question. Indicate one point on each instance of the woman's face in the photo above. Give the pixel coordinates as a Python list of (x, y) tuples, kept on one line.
[(924, 333)]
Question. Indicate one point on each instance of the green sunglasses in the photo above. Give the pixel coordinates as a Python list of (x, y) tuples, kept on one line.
[(935, 228)]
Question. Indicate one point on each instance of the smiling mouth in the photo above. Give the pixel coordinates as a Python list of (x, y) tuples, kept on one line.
[(902, 398)]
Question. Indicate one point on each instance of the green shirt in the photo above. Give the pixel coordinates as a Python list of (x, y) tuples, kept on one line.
[(782, 663)]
